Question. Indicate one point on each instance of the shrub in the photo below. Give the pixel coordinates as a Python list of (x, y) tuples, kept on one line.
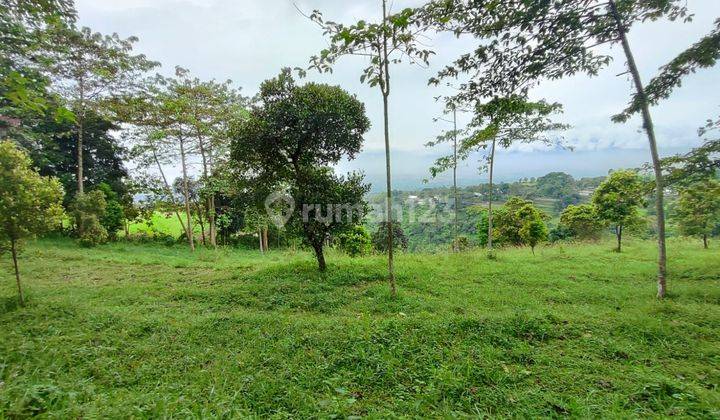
[(93, 233), (582, 221), (461, 243), (559, 233), (355, 242), (88, 210), (519, 222), (380, 237)]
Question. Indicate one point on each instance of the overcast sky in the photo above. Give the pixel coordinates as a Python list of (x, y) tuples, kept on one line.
[(249, 41)]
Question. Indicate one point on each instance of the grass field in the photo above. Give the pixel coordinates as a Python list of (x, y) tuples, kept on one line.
[(162, 222), (143, 331)]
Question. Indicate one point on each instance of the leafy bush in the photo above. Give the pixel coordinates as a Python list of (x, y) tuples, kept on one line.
[(582, 221), (559, 233), (114, 216), (355, 242), (461, 243), (93, 233), (88, 210), (519, 222)]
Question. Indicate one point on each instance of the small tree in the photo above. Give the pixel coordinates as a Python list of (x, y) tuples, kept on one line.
[(533, 229), (380, 237), (582, 221), (114, 217), (381, 44), (617, 200), (698, 209), (30, 204), (89, 210), (355, 242), (288, 142), (511, 218)]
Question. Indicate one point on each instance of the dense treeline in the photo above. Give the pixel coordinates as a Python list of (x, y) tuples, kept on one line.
[(77, 106)]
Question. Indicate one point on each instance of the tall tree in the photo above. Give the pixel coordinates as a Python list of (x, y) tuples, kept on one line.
[(384, 43), (503, 121), (209, 108), (24, 55), (526, 41), (53, 149), (30, 204), (288, 143), (150, 136), (451, 161), (90, 68)]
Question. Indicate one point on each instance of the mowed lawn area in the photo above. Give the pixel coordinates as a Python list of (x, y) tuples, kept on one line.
[(150, 331)]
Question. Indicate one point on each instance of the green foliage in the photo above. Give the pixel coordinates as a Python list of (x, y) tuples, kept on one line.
[(560, 186), (380, 237), (114, 217), (619, 197), (533, 229), (88, 210), (24, 53), (287, 144), (582, 222), (519, 222), (504, 120), (698, 208), (356, 242), (559, 233), (521, 43), (31, 204), (482, 225), (703, 54), (461, 243), (697, 165), (53, 149)]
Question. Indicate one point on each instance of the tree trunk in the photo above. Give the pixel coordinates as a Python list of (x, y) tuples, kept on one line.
[(260, 238), (13, 248), (81, 129), (80, 181), (213, 225), (320, 257), (265, 238), (385, 89), (650, 130), (491, 196), (169, 192), (618, 233), (204, 153), (455, 194), (203, 235), (186, 193), (705, 241)]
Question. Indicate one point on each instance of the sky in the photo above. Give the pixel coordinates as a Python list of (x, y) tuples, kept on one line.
[(249, 41)]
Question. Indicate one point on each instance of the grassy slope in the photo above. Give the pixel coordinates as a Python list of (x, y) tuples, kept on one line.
[(130, 330)]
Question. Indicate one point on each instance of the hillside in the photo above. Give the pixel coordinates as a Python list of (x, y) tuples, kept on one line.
[(143, 331)]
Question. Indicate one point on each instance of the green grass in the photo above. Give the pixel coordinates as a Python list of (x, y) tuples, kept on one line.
[(162, 222), (142, 331)]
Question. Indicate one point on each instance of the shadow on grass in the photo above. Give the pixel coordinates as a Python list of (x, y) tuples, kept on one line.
[(9, 304), (297, 286)]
